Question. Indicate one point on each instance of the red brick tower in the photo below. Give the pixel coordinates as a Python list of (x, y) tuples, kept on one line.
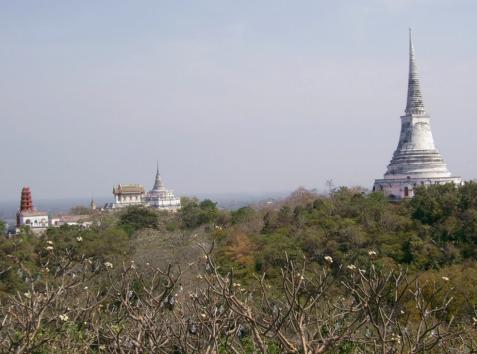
[(26, 203)]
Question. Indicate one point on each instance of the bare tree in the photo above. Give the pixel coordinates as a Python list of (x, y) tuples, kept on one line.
[(85, 306)]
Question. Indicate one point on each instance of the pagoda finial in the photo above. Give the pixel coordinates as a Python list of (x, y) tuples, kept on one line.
[(415, 104), (158, 181)]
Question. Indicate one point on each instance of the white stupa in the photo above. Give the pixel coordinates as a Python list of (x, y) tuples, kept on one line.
[(416, 160), (160, 197)]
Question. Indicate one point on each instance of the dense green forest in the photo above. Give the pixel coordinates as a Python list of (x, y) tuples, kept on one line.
[(433, 235), (436, 230), (431, 238)]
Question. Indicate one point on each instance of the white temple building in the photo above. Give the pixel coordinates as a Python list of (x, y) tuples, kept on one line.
[(161, 198), (127, 195), (83, 221), (36, 220), (416, 160)]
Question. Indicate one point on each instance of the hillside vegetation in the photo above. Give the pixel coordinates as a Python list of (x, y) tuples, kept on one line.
[(347, 272)]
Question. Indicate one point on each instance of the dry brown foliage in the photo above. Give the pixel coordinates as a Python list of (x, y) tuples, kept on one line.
[(83, 307)]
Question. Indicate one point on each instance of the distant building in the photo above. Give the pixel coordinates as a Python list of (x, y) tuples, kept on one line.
[(161, 198), (84, 221), (92, 204), (36, 220), (416, 161), (127, 194)]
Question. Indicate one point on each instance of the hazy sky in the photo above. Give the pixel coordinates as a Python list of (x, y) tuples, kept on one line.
[(229, 96)]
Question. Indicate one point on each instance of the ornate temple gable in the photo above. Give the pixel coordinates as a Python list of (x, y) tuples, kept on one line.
[(127, 194), (128, 189)]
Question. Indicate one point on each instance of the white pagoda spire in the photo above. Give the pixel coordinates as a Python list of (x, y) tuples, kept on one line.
[(415, 104), (158, 185), (416, 161)]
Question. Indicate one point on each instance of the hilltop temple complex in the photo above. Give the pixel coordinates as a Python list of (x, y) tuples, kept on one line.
[(39, 221), (133, 194), (416, 160)]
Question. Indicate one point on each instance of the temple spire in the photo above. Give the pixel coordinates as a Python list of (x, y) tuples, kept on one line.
[(158, 182), (416, 161), (415, 104)]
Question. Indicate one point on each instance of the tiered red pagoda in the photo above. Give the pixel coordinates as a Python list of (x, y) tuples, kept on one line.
[(26, 204), (27, 216)]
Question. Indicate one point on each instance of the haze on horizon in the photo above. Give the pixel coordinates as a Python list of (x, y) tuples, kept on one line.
[(228, 96)]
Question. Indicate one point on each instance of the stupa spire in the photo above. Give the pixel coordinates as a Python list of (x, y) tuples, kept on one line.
[(158, 185), (416, 161), (415, 104)]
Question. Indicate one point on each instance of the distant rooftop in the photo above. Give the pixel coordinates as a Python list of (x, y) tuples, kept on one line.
[(33, 213), (128, 189)]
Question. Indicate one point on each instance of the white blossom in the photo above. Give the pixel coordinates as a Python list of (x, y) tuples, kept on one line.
[(108, 265), (64, 317), (79, 239), (328, 259), (351, 267), (372, 253), (445, 278), (396, 338), (49, 248)]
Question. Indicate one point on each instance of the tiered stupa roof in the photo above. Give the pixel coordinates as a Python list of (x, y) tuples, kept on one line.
[(416, 161), (158, 185), (416, 154), (415, 103)]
